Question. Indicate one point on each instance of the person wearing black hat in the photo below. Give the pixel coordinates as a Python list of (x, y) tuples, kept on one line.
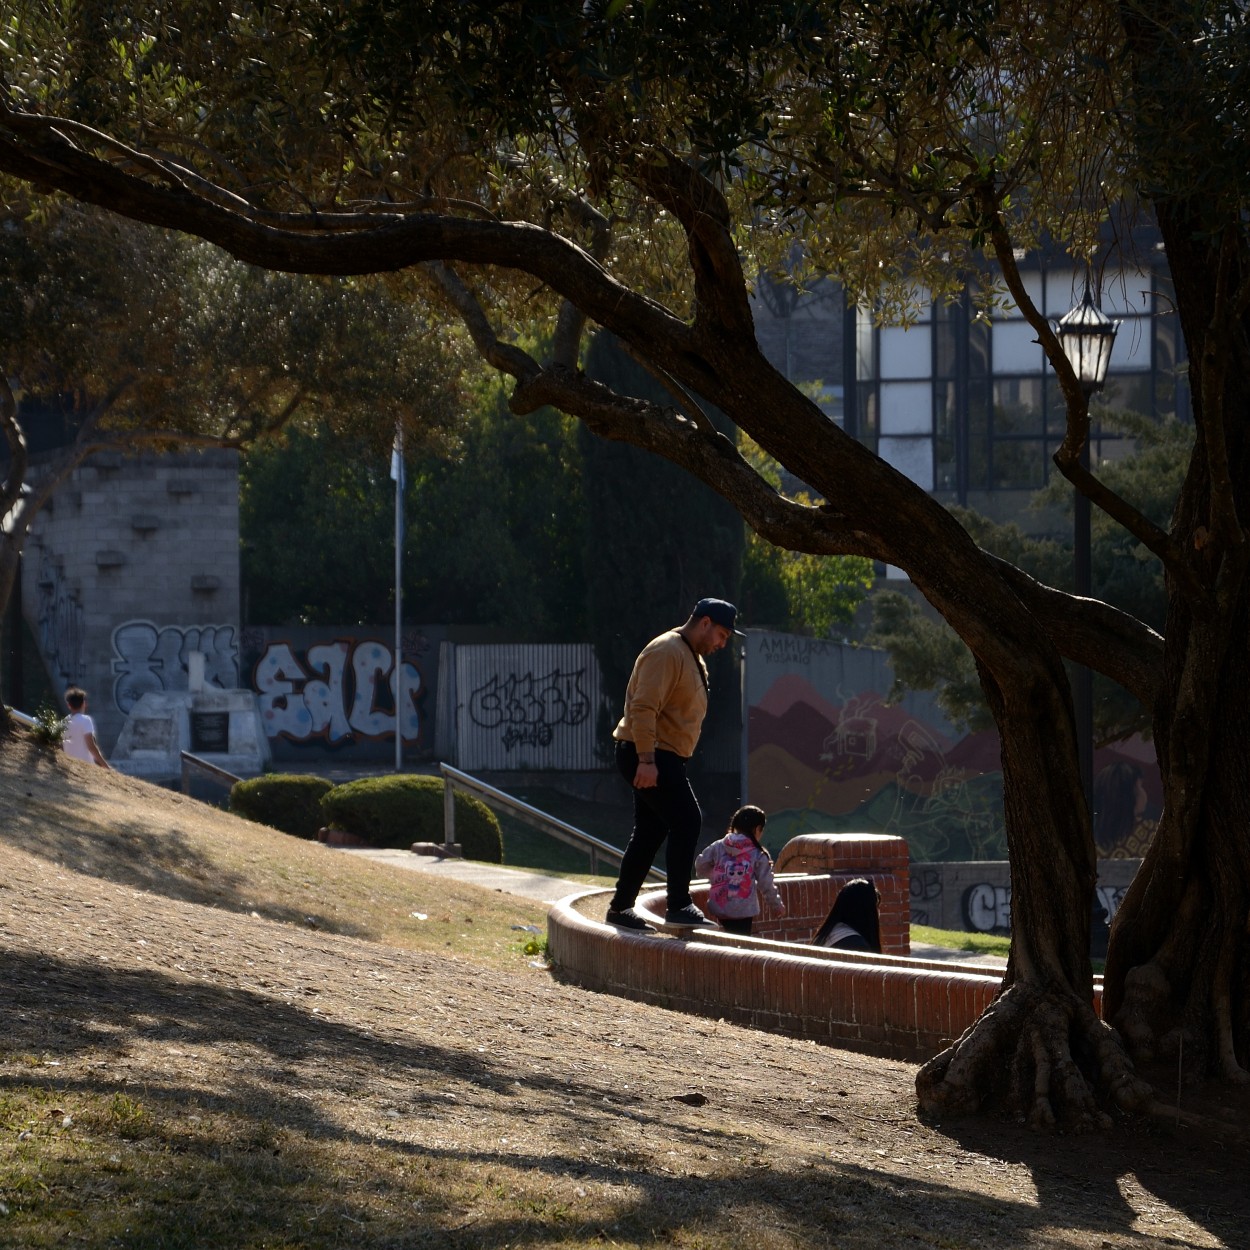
[(665, 703)]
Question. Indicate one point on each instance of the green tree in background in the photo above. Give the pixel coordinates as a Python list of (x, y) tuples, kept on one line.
[(795, 590), (927, 654), (656, 543), (120, 337), (493, 524)]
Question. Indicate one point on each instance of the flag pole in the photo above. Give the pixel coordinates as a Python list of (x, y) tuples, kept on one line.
[(397, 473)]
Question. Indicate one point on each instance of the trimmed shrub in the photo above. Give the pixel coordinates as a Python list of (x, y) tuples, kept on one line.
[(401, 809), (287, 801)]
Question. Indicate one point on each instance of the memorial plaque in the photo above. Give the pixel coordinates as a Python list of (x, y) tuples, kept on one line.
[(210, 732), (149, 733)]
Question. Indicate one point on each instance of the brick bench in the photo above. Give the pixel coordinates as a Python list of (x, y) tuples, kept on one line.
[(887, 1004)]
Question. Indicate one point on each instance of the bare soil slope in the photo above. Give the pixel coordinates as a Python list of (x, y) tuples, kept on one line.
[(214, 1034)]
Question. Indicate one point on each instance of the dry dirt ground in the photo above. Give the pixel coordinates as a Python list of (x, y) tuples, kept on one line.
[(586, 1119)]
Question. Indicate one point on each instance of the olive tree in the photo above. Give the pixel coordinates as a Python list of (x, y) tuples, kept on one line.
[(631, 166), (128, 338)]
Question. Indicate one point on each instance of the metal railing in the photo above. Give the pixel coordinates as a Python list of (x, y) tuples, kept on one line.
[(596, 848), (193, 764)]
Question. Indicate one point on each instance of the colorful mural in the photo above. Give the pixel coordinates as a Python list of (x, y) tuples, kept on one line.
[(825, 752)]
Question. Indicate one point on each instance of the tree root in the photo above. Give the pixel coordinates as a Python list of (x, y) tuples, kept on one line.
[(1205, 1040), (1044, 1055)]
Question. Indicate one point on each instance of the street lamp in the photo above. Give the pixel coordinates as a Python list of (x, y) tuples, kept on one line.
[(1087, 336)]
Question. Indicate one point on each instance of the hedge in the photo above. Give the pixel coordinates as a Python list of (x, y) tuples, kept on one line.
[(398, 810), (287, 801)]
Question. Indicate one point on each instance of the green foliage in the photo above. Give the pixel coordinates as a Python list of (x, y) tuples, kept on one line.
[(287, 801), (50, 725), (493, 525), (125, 336), (927, 654), (794, 590), (396, 811), (316, 526), (496, 527), (1122, 571), (657, 542)]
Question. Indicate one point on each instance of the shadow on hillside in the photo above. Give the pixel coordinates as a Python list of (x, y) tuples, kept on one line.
[(298, 1073), (65, 828)]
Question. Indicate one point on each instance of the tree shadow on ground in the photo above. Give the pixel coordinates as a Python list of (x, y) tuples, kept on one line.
[(57, 827), (293, 1072), (1180, 1165)]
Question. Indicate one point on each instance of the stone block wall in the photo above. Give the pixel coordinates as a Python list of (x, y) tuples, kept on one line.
[(134, 564)]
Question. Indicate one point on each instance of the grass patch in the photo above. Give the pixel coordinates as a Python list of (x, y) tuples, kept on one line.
[(527, 847), (958, 940)]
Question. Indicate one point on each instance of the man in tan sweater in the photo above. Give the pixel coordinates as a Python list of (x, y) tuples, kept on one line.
[(665, 703)]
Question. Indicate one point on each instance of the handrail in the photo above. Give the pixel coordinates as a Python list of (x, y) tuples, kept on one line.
[(22, 719), (194, 764), (595, 847)]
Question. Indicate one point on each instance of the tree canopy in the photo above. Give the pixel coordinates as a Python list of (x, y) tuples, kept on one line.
[(926, 654), (633, 165), (118, 336)]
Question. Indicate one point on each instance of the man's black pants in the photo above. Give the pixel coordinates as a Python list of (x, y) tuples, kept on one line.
[(667, 811)]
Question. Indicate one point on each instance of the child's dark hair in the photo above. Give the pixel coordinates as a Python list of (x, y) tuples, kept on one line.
[(749, 820), (856, 906), (75, 698)]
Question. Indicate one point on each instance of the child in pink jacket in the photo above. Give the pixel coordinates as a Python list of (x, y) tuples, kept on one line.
[(740, 872)]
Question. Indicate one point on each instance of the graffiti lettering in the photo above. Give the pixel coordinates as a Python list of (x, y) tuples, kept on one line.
[(792, 649), (150, 658), (1109, 899), (925, 884), (335, 694), (529, 735), (60, 618), (527, 708), (987, 908)]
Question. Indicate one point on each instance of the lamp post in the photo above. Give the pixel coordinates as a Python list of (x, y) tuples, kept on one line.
[(1087, 336)]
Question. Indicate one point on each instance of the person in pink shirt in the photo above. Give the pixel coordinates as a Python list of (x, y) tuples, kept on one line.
[(739, 873)]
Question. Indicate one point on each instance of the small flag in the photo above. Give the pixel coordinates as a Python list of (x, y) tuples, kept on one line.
[(397, 458)]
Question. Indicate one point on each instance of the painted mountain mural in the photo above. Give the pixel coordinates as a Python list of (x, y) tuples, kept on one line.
[(826, 753)]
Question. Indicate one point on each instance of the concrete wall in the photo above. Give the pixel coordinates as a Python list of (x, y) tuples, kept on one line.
[(134, 564), (976, 897)]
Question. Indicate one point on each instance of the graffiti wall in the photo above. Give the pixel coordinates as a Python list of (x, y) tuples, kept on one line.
[(339, 692), (825, 752), (151, 658), (525, 707), (59, 622), (976, 897)]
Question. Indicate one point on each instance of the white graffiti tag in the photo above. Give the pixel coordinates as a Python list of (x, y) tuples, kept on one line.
[(151, 658), (988, 907), (316, 700)]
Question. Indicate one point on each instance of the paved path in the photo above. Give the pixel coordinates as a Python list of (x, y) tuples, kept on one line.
[(545, 889), (533, 885)]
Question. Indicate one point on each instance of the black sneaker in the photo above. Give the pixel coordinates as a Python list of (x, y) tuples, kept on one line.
[(628, 918), (689, 916)]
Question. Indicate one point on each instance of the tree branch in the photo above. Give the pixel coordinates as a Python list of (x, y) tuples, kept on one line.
[(19, 453), (1068, 457), (1092, 633), (498, 354)]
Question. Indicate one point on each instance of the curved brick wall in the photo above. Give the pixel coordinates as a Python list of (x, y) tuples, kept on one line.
[(887, 1004)]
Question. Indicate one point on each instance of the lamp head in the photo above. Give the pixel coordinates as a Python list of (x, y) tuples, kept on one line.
[(1087, 335)]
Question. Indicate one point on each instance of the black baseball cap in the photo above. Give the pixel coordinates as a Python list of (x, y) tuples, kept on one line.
[(719, 612)]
